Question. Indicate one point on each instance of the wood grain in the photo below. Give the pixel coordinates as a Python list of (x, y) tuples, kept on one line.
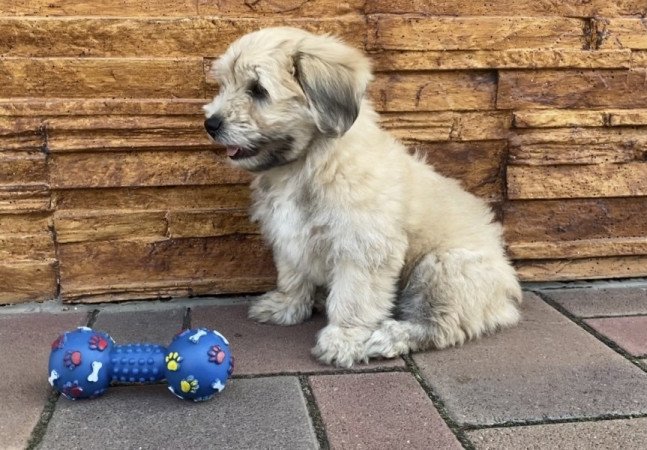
[(90, 77), (282, 8), (582, 269), (22, 199), (107, 7), (567, 8), (625, 33), (577, 181), (434, 91), (223, 196), (409, 32), (131, 37), (209, 223), (104, 267), (27, 281), (572, 89), (25, 108), (92, 225), (22, 168), (393, 60), (144, 168), (103, 133)]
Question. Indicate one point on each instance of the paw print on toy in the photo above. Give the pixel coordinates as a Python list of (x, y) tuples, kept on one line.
[(98, 342), (72, 359), (216, 354), (173, 360), (189, 384), (72, 390)]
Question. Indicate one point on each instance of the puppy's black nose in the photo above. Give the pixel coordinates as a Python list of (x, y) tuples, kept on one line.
[(213, 124)]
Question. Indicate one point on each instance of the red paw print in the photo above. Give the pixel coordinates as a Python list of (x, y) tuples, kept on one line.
[(98, 342), (216, 355)]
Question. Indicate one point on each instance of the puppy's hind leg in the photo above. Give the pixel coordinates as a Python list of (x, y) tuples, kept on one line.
[(448, 299)]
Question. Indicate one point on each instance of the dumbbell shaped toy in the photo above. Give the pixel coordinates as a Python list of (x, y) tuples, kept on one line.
[(196, 365)]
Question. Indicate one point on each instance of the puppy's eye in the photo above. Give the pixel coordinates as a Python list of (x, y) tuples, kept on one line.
[(256, 91)]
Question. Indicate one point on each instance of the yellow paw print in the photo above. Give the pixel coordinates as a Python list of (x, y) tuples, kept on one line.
[(173, 361), (190, 384)]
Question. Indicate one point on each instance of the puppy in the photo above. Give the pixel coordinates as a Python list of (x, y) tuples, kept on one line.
[(407, 259)]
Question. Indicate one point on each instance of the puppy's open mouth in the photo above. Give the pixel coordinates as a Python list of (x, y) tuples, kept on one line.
[(240, 152)]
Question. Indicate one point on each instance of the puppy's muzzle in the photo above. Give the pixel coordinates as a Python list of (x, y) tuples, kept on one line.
[(213, 124)]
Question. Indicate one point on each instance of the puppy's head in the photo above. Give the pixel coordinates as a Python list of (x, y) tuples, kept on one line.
[(280, 88)]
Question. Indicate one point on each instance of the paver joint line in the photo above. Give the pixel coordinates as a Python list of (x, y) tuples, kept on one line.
[(635, 360), (314, 413), (532, 423), (438, 403)]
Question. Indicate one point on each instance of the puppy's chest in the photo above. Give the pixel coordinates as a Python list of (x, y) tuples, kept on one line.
[(295, 225)]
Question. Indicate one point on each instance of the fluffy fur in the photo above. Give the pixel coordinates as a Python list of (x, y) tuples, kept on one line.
[(406, 258)]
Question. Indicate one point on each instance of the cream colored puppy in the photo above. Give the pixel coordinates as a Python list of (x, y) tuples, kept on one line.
[(408, 259)]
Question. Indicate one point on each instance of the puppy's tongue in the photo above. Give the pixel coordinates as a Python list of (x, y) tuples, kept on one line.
[(231, 151)]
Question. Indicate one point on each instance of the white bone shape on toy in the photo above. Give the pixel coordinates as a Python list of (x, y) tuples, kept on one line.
[(196, 337), (96, 367), (52, 377)]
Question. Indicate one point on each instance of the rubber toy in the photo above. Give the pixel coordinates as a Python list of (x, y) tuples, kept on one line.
[(196, 365)]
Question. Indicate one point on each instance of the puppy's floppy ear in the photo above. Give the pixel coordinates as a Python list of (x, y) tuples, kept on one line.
[(334, 78)]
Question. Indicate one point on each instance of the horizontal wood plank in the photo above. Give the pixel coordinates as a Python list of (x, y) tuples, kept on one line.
[(446, 125), (105, 8), (144, 168), (423, 33), (559, 118), (22, 168), (16, 247), (233, 196), (606, 180), (551, 118), (209, 223), (154, 290), (578, 146), (99, 267), (567, 8), (102, 77), (534, 58), (569, 220), (131, 37), (27, 281), (24, 199), (92, 225), (53, 107), (628, 117), (284, 8), (582, 269), (434, 91), (624, 33), (101, 133), (28, 223), (572, 89), (581, 248)]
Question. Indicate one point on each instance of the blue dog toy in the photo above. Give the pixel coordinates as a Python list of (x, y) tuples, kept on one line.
[(196, 365)]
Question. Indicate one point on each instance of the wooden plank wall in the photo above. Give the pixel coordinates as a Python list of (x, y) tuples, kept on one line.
[(109, 189)]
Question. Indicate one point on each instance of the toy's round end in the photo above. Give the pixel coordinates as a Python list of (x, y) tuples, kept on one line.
[(198, 364), (78, 363)]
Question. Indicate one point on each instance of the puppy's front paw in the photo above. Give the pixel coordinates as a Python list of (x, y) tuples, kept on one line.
[(341, 346), (276, 307)]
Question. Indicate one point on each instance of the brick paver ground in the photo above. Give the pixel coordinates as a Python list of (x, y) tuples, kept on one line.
[(558, 380)]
